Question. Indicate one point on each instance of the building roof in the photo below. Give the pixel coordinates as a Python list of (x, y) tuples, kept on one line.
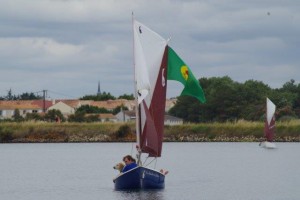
[(110, 104), (41, 102), (172, 118), (130, 113), (20, 104), (74, 103)]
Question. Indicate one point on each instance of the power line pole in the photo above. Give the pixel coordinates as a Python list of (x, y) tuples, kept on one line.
[(44, 100)]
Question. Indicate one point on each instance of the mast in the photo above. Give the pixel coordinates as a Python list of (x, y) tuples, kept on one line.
[(137, 107), (44, 100)]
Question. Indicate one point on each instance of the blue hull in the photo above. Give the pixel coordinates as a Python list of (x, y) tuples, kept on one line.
[(140, 178)]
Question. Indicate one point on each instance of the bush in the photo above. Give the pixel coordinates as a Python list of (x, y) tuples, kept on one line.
[(123, 131), (286, 118), (5, 135)]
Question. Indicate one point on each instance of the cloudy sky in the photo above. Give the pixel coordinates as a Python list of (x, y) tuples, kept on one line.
[(67, 46)]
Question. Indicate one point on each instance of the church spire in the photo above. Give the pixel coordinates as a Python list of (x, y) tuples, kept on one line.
[(99, 91)]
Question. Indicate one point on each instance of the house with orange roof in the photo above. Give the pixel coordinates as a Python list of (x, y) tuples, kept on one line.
[(67, 106), (8, 108), (112, 104)]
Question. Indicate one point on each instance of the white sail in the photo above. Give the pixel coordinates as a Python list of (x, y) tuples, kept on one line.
[(269, 125), (270, 110), (148, 52)]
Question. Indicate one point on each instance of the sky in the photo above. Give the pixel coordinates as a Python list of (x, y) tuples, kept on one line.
[(67, 46)]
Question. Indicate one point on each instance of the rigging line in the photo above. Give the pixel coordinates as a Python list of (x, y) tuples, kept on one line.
[(131, 149), (150, 161), (61, 94), (146, 161)]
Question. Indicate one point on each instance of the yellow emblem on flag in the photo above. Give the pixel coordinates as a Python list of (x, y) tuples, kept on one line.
[(184, 72)]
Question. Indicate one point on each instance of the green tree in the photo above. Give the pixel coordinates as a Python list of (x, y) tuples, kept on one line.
[(126, 96), (118, 109), (17, 116), (228, 100), (103, 97), (77, 117), (253, 97), (91, 118), (10, 95), (33, 116), (29, 96), (92, 109), (53, 115)]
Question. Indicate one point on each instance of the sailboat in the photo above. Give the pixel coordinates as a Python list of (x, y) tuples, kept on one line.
[(150, 63), (154, 63), (269, 125)]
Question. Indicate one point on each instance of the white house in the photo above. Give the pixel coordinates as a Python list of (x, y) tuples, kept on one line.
[(125, 116), (107, 117), (65, 109), (8, 108), (171, 120)]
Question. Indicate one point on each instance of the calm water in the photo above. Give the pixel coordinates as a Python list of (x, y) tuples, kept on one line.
[(241, 171)]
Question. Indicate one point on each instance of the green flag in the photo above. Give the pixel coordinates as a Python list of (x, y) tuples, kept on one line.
[(179, 71)]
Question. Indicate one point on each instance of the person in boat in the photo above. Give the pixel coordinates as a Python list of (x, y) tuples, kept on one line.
[(130, 163)]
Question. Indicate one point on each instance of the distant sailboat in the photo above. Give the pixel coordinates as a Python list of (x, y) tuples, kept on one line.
[(269, 125)]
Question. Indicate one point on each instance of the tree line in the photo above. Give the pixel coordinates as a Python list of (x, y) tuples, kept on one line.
[(24, 96), (33, 96), (228, 100)]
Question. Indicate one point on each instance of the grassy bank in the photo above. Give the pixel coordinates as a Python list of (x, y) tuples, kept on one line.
[(121, 132)]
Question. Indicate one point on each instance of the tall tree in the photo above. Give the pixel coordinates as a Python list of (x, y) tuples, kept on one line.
[(101, 97)]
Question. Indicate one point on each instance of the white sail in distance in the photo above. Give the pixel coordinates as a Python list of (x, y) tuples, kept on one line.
[(270, 110)]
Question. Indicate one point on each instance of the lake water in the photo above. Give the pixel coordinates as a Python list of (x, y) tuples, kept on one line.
[(208, 171)]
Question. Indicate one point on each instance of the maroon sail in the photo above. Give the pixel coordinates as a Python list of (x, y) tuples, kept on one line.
[(153, 116)]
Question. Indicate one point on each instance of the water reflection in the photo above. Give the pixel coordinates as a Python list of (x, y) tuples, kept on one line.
[(140, 194)]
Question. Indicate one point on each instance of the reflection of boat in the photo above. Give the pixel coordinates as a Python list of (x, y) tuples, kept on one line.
[(269, 125), (154, 62)]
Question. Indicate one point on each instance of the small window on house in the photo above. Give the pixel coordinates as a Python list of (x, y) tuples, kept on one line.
[(24, 111), (34, 111)]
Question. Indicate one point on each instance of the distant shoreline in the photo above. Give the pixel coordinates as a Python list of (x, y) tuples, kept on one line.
[(44, 132)]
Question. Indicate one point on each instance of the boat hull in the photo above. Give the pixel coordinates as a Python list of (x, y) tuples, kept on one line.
[(140, 178), (267, 145)]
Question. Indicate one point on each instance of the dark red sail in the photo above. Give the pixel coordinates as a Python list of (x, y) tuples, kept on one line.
[(153, 114)]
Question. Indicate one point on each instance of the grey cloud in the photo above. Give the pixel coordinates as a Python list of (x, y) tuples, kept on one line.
[(68, 46)]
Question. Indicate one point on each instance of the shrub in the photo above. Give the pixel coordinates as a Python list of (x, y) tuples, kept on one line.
[(5, 135), (123, 131)]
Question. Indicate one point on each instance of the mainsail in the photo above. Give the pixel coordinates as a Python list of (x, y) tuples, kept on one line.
[(150, 63), (270, 120)]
